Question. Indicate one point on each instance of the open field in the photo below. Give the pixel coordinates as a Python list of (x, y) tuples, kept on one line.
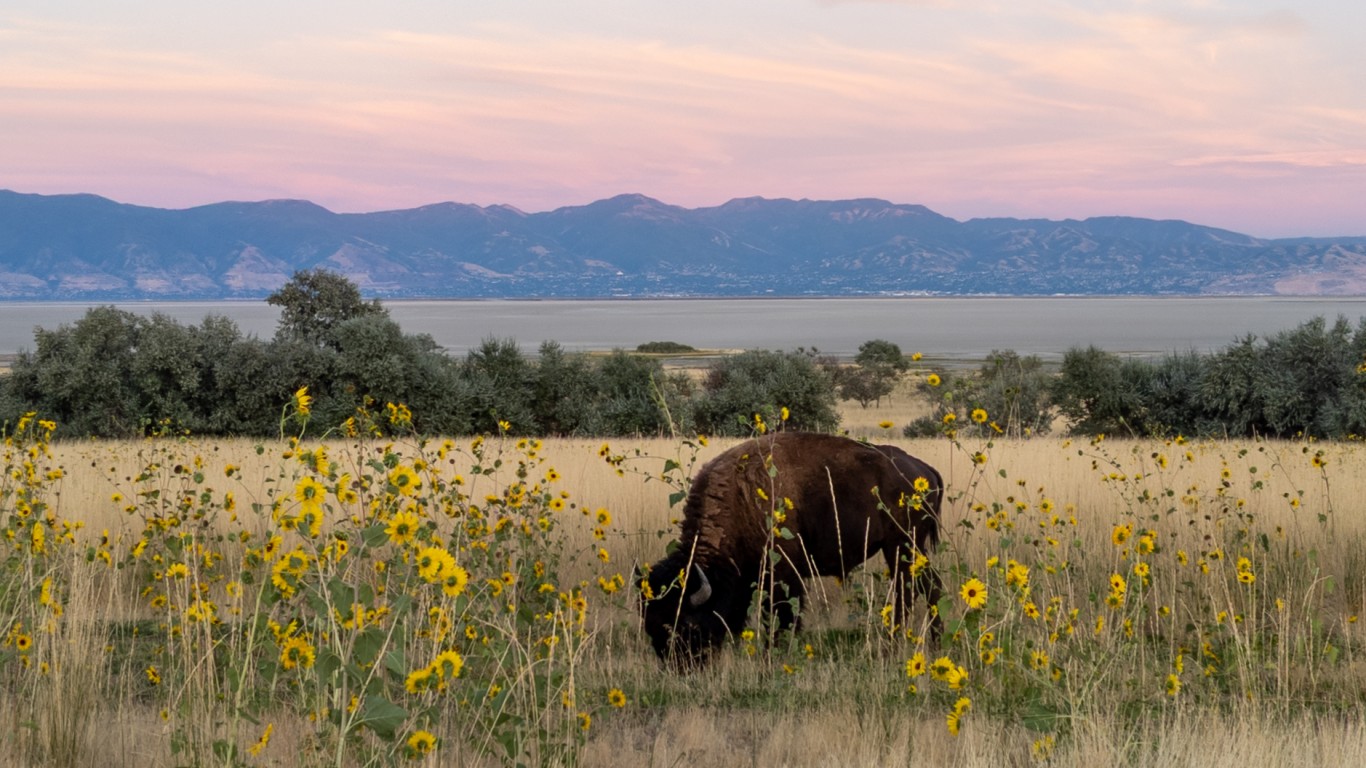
[(178, 601)]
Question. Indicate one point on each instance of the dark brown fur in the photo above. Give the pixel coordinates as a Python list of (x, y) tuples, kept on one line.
[(851, 500)]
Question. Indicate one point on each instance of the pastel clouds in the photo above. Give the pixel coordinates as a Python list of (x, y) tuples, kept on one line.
[(1243, 118)]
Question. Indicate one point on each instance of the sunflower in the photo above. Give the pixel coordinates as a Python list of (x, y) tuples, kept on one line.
[(303, 402), (616, 698), (310, 494), (419, 680), (979, 415), (404, 480), (955, 715), (433, 563), (933, 380), (402, 528), (1120, 534), (1117, 584), (447, 665), (421, 743), (455, 580), (1173, 685), (974, 593), (941, 667), (921, 485), (297, 652), (915, 666)]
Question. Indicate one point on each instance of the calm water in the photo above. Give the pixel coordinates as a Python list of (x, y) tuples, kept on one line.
[(951, 327)]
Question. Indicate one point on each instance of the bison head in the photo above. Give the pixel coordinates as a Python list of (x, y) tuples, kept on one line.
[(682, 612)]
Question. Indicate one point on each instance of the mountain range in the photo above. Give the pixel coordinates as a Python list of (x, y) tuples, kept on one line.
[(85, 247)]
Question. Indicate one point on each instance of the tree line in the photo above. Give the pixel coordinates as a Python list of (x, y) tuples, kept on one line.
[(117, 374)]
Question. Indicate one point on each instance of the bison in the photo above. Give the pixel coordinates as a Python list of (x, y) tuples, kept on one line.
[(839, 501)]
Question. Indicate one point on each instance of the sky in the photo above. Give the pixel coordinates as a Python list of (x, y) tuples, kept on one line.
[(1243, 114)]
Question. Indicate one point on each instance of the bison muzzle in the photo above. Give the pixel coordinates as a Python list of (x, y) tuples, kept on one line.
[(824, 504)]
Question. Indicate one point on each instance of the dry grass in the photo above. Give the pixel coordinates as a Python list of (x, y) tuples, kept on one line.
[(847, 706)]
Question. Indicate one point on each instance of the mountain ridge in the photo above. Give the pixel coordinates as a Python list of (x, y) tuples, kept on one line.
[(86, 247)]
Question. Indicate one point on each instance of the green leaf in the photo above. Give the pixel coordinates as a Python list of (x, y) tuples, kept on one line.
[(1039, 717), (374, 536), (343, 595), (382, 716), (368, 645), (676, 497), (396, 662), (327, 664), (225, 751)]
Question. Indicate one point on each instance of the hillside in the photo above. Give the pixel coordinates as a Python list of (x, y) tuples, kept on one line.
[(86, 247)]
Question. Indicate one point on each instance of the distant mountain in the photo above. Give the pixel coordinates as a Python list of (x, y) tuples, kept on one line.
[(89, 248)]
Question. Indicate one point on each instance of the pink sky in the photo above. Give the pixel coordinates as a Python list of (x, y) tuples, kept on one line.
[(1248, 115)]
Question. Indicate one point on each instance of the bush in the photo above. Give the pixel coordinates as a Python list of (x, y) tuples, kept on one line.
[(757, 382), (664, 348)]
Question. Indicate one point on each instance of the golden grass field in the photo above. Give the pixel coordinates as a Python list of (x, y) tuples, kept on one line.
[(1204, 659)]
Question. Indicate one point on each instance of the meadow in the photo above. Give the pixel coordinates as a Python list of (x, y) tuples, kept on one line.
[(376, 600)]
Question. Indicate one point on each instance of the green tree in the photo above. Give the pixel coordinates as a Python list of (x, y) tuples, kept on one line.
[(566, 391), (314, 302), (1099, 392), (880, 353), (1014, 391), (81, 375), (501, 383), (633, 396), (762, 382), (880, 364), (376, 362)]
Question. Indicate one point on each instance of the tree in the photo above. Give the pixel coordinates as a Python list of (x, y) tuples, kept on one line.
[(762, 382), (501, 385), (880, 353), (880, 364), (314, 302), (565, 391), (1013, 390), (632, 386), (864, 386), (81, 375), (1101, 393)]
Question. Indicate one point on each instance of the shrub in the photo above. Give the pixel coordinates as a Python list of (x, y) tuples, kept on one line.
[(737, 388), (664, 348)]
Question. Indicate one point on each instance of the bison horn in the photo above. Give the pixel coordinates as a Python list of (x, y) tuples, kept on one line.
[(703, 593)]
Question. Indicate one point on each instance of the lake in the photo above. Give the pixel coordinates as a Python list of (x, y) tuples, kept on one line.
[(945, 327)]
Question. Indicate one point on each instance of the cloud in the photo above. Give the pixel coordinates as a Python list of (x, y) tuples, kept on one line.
[(988, 106)]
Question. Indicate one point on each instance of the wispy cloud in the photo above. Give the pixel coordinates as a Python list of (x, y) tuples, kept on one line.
[(1062, 108)]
